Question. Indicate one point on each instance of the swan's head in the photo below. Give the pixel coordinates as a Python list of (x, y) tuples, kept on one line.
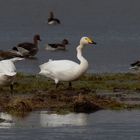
[(86, 40)]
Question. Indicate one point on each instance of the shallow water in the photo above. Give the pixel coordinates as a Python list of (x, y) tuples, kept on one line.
[(114, 25), (105, 124)]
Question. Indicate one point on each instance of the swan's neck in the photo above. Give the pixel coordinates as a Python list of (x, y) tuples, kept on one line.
[(83, 61)]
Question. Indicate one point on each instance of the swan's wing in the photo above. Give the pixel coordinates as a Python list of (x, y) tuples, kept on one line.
[(59, 65), (59, 69)]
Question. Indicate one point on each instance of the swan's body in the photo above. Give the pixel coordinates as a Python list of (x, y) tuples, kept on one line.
[(8, 71), (57, 46), (52, 20), (66, 70), (28, 49)]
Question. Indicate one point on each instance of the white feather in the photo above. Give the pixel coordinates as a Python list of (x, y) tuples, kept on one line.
[(7, 71)]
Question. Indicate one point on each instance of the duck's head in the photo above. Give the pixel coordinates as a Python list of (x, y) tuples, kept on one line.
[(65, 42), (15, 48), (86, 40), (37, 37)]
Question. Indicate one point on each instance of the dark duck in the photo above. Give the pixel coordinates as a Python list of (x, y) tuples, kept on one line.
[(57, 46), (28, 49), (9, 54), (52, 20), (135, 66)]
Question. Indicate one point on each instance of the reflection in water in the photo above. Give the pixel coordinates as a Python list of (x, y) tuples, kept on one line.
[(104, 118), (6, 120), (101, 125), (55, 120), (43, 119)]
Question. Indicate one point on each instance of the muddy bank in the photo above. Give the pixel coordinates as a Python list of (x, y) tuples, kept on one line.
[(88, 94)]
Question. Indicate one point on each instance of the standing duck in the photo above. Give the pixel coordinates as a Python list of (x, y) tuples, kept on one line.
[(52, 20), (57, 46), (28, 49), (8, 72), (67, 70)]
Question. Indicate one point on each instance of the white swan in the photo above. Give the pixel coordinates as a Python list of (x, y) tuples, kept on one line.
[(67, 70), (8, 72)]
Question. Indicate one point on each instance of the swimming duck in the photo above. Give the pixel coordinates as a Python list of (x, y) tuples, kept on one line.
[(57, 46), (52, 20), (8, 72), (9, 54), (135, 66), (28, 49), (67, 70)]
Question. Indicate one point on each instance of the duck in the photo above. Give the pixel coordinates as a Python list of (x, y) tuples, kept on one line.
[(9, 54), (67, 70), (28, 49), (8, 72), (52, 20), (57, 46), (135, 66)]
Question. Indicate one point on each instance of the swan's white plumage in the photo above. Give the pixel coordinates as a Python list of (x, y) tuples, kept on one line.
[(67, 70), (7, 67), (63, 70), (7, 70)]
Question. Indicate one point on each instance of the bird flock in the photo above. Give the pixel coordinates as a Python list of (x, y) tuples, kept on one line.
[(57, 70)]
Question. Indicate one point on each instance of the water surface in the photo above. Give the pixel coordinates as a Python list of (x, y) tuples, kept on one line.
[(114, 25), (39, 125)]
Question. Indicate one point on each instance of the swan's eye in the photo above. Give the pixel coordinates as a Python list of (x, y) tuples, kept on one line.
[(86, 39)]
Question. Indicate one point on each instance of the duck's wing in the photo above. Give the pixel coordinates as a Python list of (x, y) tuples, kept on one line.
[(137, 63), (56, 45), (27, 46), (23, 51), (8, 55), (53, 45), (57, 20)]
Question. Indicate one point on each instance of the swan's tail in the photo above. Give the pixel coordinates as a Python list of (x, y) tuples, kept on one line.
[(41, 69), (10, 74)]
